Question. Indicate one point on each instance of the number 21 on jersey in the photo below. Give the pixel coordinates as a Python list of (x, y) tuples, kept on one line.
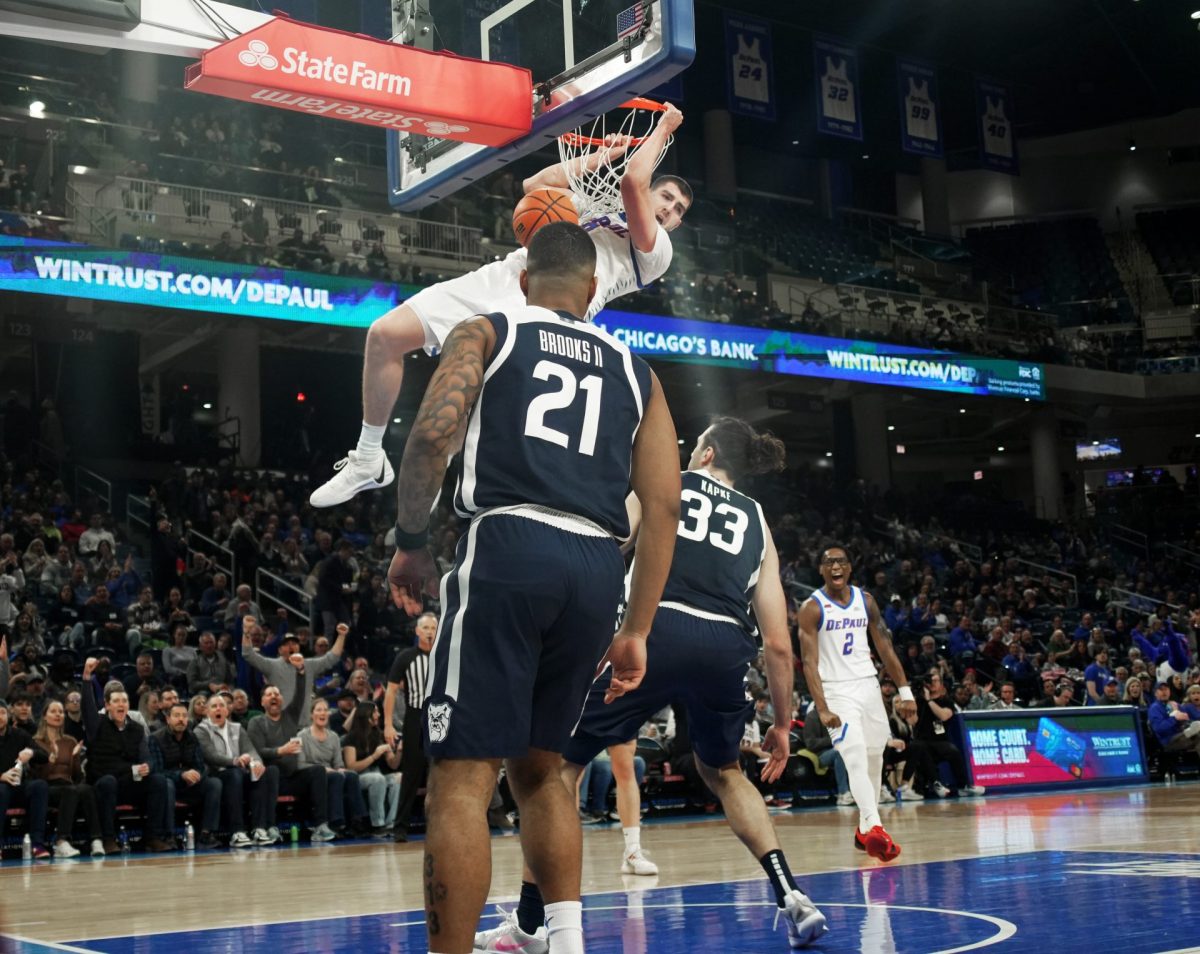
[(568, 388), (694, 522)]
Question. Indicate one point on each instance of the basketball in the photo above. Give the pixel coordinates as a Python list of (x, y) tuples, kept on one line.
[(541, 207)]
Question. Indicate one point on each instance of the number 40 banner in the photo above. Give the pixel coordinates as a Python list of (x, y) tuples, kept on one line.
[(748, 76), (994, 119)]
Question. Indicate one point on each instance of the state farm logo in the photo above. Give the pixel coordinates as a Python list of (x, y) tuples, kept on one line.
[(357, 112), (258, 54)]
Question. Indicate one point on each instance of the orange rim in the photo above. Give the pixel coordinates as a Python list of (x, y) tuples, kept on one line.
[(575, 138)]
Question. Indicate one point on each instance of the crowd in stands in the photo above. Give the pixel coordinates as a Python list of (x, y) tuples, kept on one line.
[(166, 665)]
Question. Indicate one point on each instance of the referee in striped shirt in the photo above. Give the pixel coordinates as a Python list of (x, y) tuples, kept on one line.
[(410, 674)]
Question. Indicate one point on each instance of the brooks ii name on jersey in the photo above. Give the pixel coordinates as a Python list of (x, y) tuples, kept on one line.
[(576, 396), (719, 549), (845, 651)]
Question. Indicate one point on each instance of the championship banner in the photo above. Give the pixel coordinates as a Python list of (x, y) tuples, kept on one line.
[(994, 119), (839, 101), (920, 109), (311, 69), (1053, 748), (748, 79)]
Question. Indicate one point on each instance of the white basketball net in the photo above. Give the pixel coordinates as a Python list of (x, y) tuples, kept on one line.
[(594, 161)]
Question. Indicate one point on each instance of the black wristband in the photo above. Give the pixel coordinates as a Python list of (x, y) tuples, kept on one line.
[(411, 541)]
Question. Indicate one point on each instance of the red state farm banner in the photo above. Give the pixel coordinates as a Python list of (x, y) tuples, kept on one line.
[(325, 72)]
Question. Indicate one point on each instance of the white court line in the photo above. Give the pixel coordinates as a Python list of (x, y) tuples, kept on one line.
[(1006, 929), (48, 945)]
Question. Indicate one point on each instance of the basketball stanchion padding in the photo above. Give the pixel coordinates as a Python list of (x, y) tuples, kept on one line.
[(541, 207)]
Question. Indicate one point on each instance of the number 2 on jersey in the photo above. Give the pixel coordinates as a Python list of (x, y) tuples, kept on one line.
[(564, 397), (693, 524), (848, 647)]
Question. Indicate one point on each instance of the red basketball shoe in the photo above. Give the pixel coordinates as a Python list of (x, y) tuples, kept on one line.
[(877, 843)]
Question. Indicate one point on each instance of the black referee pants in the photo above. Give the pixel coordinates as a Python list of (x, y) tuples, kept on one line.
[(413, 765)]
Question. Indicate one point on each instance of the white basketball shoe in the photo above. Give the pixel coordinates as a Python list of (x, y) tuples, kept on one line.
[(352, 477)]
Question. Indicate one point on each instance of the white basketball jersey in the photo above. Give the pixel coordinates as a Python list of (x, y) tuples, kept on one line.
[(997, 135), (845, 650), (620, 268), (920, 115), (750, 72), (837, 93)]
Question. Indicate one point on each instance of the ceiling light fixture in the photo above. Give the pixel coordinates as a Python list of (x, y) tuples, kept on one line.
[(37, 109)]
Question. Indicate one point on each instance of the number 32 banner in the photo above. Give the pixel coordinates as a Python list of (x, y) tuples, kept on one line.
[(839, 101), (748, 53), (994, 117), (920, 109)]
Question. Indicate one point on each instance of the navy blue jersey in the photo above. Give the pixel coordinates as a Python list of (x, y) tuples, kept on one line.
[(719, 549), (555, 421)]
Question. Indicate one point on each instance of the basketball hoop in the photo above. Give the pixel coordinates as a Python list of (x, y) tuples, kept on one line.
[(592, 162)]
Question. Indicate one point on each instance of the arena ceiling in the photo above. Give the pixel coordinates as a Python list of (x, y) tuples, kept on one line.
[(1075, 64)]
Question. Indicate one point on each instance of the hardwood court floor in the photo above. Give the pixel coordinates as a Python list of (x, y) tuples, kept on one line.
[(115, 898)]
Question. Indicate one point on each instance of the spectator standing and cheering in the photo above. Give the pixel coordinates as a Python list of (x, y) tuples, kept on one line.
[(118, 765), (294, 675)]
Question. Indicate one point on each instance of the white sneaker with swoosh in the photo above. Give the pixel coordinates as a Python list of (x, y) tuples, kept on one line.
[(352, 476), (508, 937)]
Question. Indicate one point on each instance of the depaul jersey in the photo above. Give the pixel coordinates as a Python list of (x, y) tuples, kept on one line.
[(554, 423), (920, 114), (845, 650), (997, 134), (837, 92), (719, 549), (750, 71), (620, 267)]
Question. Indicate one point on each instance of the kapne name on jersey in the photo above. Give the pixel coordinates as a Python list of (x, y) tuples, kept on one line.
[(715, 490), (564, 346), (845, 622)]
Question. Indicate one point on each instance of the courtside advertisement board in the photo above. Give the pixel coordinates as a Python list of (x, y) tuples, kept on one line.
[(168, 281), (842, 359), (226, 288), (1051, 748)]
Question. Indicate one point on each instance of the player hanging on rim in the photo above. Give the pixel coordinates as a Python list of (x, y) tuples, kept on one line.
[(632, 250), (834, 626), (700, 649)]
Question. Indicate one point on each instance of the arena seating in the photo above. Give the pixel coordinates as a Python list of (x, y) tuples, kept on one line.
[(1173, 237)]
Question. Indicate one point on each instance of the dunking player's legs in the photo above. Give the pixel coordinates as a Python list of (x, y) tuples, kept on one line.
[(390, 340), (458, 851)]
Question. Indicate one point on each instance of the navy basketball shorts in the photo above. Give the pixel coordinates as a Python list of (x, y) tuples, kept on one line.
[(697, 662), (528, 612)]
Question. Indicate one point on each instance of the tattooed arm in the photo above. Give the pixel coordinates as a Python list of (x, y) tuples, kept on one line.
[(437, 432)]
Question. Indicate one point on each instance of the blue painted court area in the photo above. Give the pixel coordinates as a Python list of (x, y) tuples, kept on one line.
[(1034, 901)]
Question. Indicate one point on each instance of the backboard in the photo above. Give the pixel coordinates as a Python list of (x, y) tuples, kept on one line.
[(586, 57)]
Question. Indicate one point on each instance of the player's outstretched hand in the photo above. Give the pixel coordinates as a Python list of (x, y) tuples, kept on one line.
[(671, 119), (627, 654), (776, 743), (829, 719), (412, 571)]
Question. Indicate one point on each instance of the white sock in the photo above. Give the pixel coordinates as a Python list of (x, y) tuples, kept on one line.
[(633, 840), (564, 927), (370, 440)]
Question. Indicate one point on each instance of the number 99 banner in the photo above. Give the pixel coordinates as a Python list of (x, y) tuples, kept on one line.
[(920, 109), (994, 120), (748, 77)]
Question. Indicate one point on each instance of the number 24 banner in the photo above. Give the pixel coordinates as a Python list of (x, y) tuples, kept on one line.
[(920, 109), (748, 53), (994, 120)]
